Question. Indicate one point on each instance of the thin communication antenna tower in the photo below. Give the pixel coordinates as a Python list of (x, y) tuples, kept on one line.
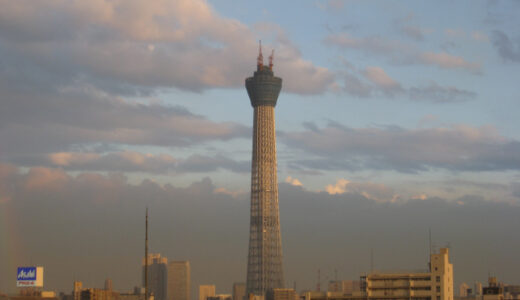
[(430, 246), (318, 286), (146, 257), (371, 260)]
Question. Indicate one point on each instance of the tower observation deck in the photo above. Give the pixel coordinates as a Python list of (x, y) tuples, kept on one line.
[(264, 267)]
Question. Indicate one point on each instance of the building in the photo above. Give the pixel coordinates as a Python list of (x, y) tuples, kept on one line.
[(98, 294), (494, 291), (157, 276), (282, 294), (239, 290), (206, 291), (478, 289), (437, 284), (179, 282), (434, 284), (220, 297), (345, 287), (463, 290), (264, 265), (77, 288)]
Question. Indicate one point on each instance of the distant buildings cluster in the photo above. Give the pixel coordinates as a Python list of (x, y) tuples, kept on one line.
[(170, 280)]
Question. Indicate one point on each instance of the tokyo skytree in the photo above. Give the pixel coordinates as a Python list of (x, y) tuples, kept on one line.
[(264, 266)]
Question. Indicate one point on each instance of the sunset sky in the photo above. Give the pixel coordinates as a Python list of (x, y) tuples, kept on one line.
[(395, 117)]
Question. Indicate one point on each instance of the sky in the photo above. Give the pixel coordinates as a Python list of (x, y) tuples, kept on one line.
[(395, 118)]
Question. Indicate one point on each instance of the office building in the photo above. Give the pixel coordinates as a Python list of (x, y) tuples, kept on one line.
[(179, 283), (206, 291), (282, 294), (239, 290), (157, 276)]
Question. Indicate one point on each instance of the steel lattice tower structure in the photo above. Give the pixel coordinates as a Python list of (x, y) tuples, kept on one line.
[(264, 266)]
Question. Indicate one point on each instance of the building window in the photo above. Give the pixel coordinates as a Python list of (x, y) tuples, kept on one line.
[(438, 297), (438, 289), (435, 268), (438, 278)]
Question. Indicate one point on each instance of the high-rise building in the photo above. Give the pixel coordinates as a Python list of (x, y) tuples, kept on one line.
[(76, 292), (239, 290), (264, 266), (206, 291), (157, 276), (179, 283), (108, 284)]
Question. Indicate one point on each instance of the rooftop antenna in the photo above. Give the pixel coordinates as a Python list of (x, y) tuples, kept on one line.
[(271, 57), (146, 257), (430, 246), (371, 260), (260, 60), (318, 286)]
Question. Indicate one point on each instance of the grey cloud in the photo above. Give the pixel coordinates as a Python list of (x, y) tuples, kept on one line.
[(436, 93), (505, 47), (97, 216), (131, 161), (401, 53), (457, 148), (364, 84), (182, 44), (63, 121), (413, 32)]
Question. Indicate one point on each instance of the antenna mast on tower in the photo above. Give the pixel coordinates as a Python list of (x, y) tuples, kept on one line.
[(260, 60), (146, 257), (271, 57)]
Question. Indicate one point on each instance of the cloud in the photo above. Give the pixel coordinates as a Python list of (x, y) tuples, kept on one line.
[(132, 161), (457, 148), (32, 124), (374, 81), (435, 93), (479, 36), (505, 47), (186, 221), (293, 181), (379, 77), (183, 44), (448, 61), (369, 190), (412, 31), (401, 53)]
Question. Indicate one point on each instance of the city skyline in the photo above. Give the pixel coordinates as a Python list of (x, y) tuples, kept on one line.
[(397, 117)]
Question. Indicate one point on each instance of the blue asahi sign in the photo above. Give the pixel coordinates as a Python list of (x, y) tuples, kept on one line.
[(29, 276), (26, 273)]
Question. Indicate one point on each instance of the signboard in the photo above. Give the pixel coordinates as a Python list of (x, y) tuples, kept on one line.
[(29, 277)]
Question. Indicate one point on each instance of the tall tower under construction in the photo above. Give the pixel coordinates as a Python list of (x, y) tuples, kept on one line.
[(264, 266)]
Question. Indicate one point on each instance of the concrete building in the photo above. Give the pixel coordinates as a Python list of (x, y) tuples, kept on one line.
[(239, 290), (206, 291), (478, 289), (463, 290), (76, 290), (179, 280), (435, 284), (157, 276), (264, 264), (282, 294), (345, 287), (221, 297)]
